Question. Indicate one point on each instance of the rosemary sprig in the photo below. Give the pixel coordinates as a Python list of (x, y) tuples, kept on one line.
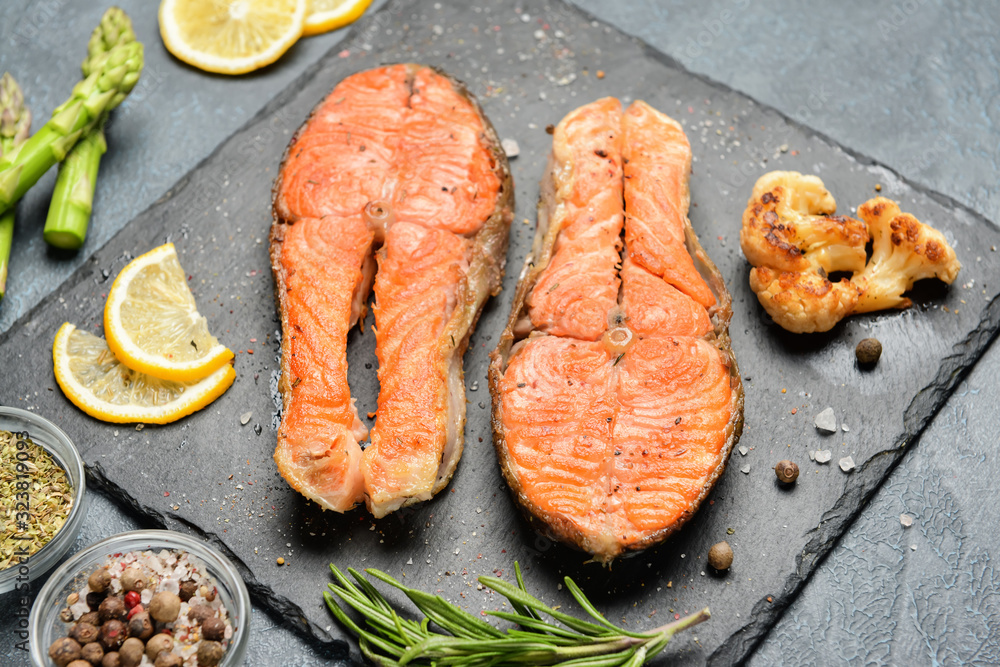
[(448, 635)]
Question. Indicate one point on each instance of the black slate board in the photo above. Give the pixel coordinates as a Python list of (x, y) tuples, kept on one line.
[(529, 63)]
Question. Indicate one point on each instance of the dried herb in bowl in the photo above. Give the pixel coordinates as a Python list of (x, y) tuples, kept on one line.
[(35, 494)]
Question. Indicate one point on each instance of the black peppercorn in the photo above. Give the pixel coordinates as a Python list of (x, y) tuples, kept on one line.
[(84, 633), (868, 351), (720, 556), (188, 590), (787, 471), (200, 612), (112, 659), (99, 580), (132, 579), (158, 643), (91, 617), (165, 606), (66, 615), (94, 600), (140, 626), (92, 653), (168, 659), (213, 628), (79, 663), (209, 653), (112, 634), (64, 651), (131, 652), (112, 607)]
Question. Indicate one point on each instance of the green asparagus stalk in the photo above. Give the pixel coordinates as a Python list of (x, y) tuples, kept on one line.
[(114, 76), (15, 123), (73, 196)]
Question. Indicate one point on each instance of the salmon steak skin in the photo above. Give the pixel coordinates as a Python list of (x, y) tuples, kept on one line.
[(395, 184), (616, 397)]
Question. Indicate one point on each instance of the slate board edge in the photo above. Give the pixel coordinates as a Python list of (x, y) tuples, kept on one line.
[(872, 474), (280, 608), (868, 479)]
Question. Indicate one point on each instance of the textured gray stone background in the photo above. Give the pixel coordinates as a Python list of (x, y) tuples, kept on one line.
[(913, 84)]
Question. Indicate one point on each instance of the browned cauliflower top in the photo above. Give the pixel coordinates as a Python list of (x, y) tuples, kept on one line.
[(794, 241), (792, 237), (904, 250)]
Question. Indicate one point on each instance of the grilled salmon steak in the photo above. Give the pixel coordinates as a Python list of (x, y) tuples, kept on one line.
[(396, 183), (616, 398)]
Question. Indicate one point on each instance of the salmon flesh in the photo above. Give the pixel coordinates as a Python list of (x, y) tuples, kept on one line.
[(616, 397), (396, 183)]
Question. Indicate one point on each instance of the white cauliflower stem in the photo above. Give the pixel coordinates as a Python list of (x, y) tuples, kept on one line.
[(904, 250)]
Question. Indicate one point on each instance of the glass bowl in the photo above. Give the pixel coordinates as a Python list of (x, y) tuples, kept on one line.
[(45, 625), (53, 440)]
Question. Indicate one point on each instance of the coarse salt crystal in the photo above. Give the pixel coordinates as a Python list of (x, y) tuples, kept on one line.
[(512, 149), (847, 464), (823, 456), (79, 609), (906, 520), (826, 421)]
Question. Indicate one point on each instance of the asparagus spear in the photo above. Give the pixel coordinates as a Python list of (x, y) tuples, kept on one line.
[(15, 123), (73, 197), (114, 76)]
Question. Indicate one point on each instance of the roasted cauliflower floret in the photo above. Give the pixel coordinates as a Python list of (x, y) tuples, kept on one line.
[(802, 302), (904, 250), (792, 237)]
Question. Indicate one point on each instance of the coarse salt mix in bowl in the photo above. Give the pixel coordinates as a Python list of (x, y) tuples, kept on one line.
[(43, 497), (150, 597)]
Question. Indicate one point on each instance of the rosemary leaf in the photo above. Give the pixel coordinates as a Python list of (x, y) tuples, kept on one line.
[(533, 623), (513, 593), (459, 639), (519, 608), (439, 610)]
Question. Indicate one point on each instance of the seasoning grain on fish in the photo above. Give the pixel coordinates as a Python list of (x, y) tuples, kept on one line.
[(616, 404), (396, 181)]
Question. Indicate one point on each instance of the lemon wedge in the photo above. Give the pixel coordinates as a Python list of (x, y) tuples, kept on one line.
[(97, 383), (326, 15), (231, 36), (153, 325)]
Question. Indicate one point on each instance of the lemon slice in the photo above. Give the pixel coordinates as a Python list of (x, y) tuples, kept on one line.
[(327, 15), (231, 36), (97, 383), (153, 325)]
